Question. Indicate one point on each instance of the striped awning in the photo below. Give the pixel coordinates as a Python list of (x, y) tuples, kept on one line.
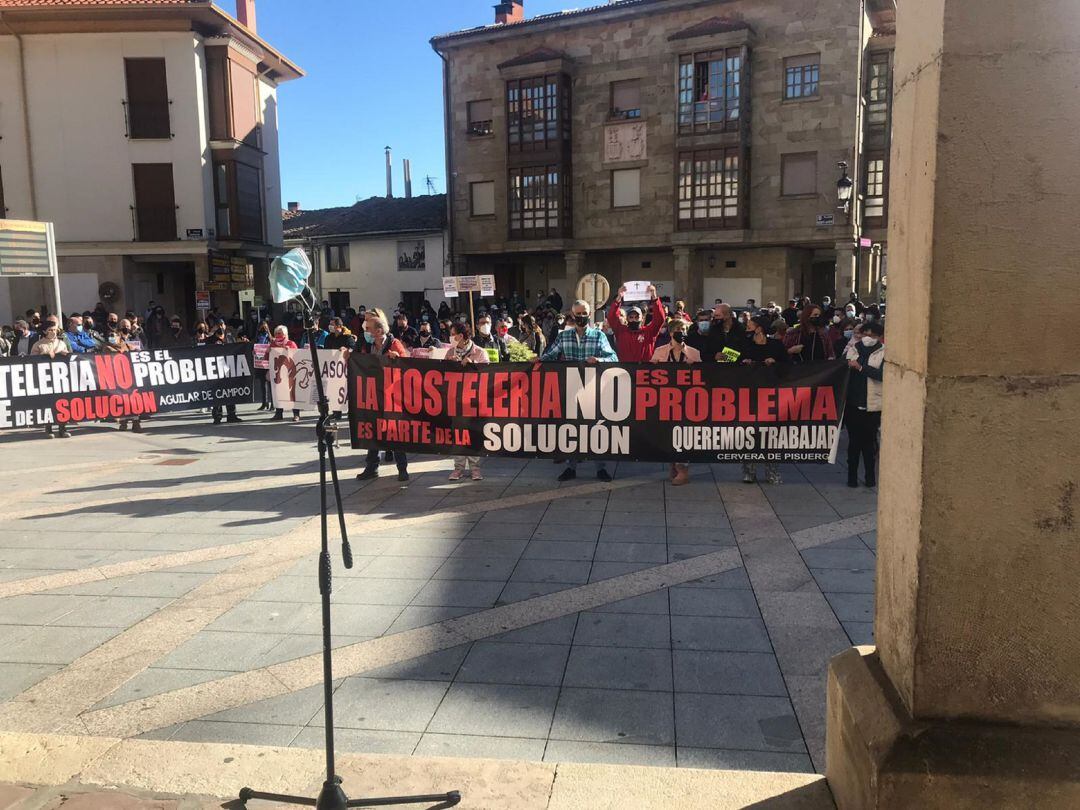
[(24, 248)]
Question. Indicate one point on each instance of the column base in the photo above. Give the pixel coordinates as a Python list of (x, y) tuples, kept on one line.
[(879, 757)]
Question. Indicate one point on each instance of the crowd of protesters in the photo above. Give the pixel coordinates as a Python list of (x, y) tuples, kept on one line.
[(507, 330)]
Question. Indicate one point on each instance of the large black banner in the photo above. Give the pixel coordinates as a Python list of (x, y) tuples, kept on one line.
[(84, 387), (710, 412)]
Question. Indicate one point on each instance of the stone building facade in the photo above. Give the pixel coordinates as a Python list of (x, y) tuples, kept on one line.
[(692, 143)]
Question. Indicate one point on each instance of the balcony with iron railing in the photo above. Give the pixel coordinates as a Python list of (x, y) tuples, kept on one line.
[(147, 120), (150, 223)]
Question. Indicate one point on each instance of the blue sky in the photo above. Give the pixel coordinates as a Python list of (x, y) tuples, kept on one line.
[(372, 81)]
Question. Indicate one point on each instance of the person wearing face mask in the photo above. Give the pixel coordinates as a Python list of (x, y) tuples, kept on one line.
[(427, 339), (532, 336), (218, 336), (503, 327), (635, 341), (677, 352), (339, 336), (175, 336), (809, 341), (698, 334), (760, 349), (725, 332), (116, 343), (581, 344), (862, 416), (280, 340), (379, 340), (78, 341), (262, 375), (465, 352), (855, 303), (22, 343), (402, 331), (486, 340)]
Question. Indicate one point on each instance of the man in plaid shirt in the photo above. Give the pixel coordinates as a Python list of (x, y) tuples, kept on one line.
[(587, 344)]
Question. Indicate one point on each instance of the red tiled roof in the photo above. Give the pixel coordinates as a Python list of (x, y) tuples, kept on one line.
[(72, 3)]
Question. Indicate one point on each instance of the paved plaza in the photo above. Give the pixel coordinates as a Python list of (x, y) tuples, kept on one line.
[(163, 586)]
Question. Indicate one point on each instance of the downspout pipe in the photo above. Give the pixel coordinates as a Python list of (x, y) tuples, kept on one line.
[(26, 118), (448, 139)]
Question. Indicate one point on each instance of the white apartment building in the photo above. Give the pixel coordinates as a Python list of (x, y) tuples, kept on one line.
[(146, 130), (378, 252)]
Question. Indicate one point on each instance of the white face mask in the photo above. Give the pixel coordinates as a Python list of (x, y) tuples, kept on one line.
[(484, 328), (869, 341)]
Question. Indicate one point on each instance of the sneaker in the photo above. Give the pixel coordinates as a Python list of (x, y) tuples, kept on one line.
[(477, 475), (123, 426), (403, 476), (49, 435), (567, 475), (457, 475), (296, 418), (603, 475), (749, 478), (136, 427), (774, 478), (64, 434), (871, 482), (234, 419), (368, 474), (217, 420), (277, 417)]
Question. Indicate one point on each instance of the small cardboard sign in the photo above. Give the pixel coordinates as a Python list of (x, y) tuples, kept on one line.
[(637, 291), (731, 355)]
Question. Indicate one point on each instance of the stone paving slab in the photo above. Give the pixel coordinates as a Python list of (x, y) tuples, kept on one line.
[(725, 646)]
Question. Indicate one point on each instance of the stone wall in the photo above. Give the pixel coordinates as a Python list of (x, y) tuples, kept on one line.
[(636, 44)]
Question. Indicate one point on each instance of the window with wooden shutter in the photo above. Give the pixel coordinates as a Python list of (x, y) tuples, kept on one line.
[(147, 102), (626, 99), (249, 210), (798, 174), (245, 108), (155, 202), (480, 117)]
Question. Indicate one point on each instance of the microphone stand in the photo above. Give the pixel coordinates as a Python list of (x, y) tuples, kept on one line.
[(332, 797)]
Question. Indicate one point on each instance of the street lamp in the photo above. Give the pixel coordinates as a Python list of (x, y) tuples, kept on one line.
[(844, 188)]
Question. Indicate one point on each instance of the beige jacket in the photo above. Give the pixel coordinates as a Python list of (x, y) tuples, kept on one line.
[(663, 354)]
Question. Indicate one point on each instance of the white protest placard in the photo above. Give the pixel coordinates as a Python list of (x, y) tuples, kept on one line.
[(292, 378), (637, 291), (487, 286), (449, 287), (428, 353)]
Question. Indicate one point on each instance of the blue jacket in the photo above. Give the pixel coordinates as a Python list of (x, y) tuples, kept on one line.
[(80, 342), (319, 342)]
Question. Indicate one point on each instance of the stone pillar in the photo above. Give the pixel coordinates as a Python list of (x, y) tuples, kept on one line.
[(683, 273), (575, 269), (845, 271), (972, 696)]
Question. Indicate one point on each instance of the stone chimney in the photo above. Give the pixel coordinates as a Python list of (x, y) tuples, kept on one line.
[(245, 14), (294, 207), (510, 11)]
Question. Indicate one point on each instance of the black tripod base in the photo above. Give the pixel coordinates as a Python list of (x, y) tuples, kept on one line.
[(332, 797)]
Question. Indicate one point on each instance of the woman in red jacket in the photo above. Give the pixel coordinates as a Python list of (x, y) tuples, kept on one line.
[(281, 340)]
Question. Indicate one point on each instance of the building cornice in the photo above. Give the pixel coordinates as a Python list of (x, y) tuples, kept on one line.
[(199, 16)]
